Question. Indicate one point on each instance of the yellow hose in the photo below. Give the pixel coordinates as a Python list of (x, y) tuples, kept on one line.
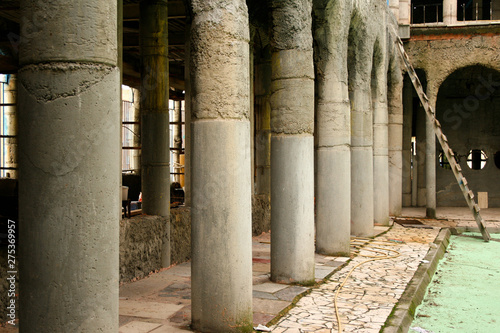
[(364, 241)]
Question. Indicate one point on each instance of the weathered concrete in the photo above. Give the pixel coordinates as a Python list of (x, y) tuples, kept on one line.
[(360, 55), (221, 198), (69, 167), (155, 121), (430, 161), (407, 143), (380, 133), (470, 123), (141, 241), (262, 93), (292, 143), (333, 128), (395, 98), (292, 224)]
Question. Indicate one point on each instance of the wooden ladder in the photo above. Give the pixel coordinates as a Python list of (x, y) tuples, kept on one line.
[(448, 152)]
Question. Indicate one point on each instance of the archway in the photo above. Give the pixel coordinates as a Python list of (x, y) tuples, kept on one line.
[(468, 107)]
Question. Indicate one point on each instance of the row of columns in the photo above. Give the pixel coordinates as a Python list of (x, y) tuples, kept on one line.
[(70, 152)]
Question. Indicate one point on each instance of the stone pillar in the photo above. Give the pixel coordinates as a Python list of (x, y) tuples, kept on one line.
[(333, 133), (155, 121), (69, 166), (263, 115), (394, 6), (361, 139), (380, 143), (221, 178), (421, 156), (430, 159), (292, 143), (404, 12), (449, 12), (407, 135), (177, 134), (395, 100)]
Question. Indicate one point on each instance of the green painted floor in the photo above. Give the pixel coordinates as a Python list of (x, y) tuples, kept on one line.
[(464, 295)]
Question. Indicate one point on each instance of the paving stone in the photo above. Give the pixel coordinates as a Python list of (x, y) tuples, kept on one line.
[(288, 294), (269, 287), (269, 306), (372, 290), (145, 309), (138, 327), (263, 295)]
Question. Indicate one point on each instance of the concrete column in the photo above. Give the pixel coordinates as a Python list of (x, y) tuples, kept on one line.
[(430, 160), (404, 16), (395, 98), (155, 120), (69, 166), (421, 156), (221, 176), (394, 6), (361, 139), (292, 143), (380, 143), (177, 134), (449, 12), (333, 132), (263, 115), (407, 135)]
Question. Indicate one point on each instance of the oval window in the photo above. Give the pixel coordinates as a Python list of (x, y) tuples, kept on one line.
[(476, 160)]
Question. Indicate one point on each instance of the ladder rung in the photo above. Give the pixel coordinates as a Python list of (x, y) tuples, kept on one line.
[(471, 195), (450, 151), (464, 181), (438, 124), (476, 208), (445, 139), (459, 168)]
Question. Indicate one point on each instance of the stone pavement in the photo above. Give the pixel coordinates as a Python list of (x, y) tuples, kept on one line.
[(368, 296), (161, 302)]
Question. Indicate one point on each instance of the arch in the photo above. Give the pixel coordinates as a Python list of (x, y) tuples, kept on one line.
[(468, 105)]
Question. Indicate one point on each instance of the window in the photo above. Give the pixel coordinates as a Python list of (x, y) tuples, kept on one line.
[(474, 10), (476, 160), (443, 161), (130, 132), (8, 131), (426, 11)]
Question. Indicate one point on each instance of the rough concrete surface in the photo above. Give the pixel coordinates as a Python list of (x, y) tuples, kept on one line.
[(140, 245), (261, 214)]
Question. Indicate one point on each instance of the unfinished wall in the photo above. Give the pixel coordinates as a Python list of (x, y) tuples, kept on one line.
[(468, 108), (439, 54), (141, 242)]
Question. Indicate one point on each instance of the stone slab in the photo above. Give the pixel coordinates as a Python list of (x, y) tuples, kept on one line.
[(269, 287), (268, 306), (138, 327), (288, 294), (146, 309)]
